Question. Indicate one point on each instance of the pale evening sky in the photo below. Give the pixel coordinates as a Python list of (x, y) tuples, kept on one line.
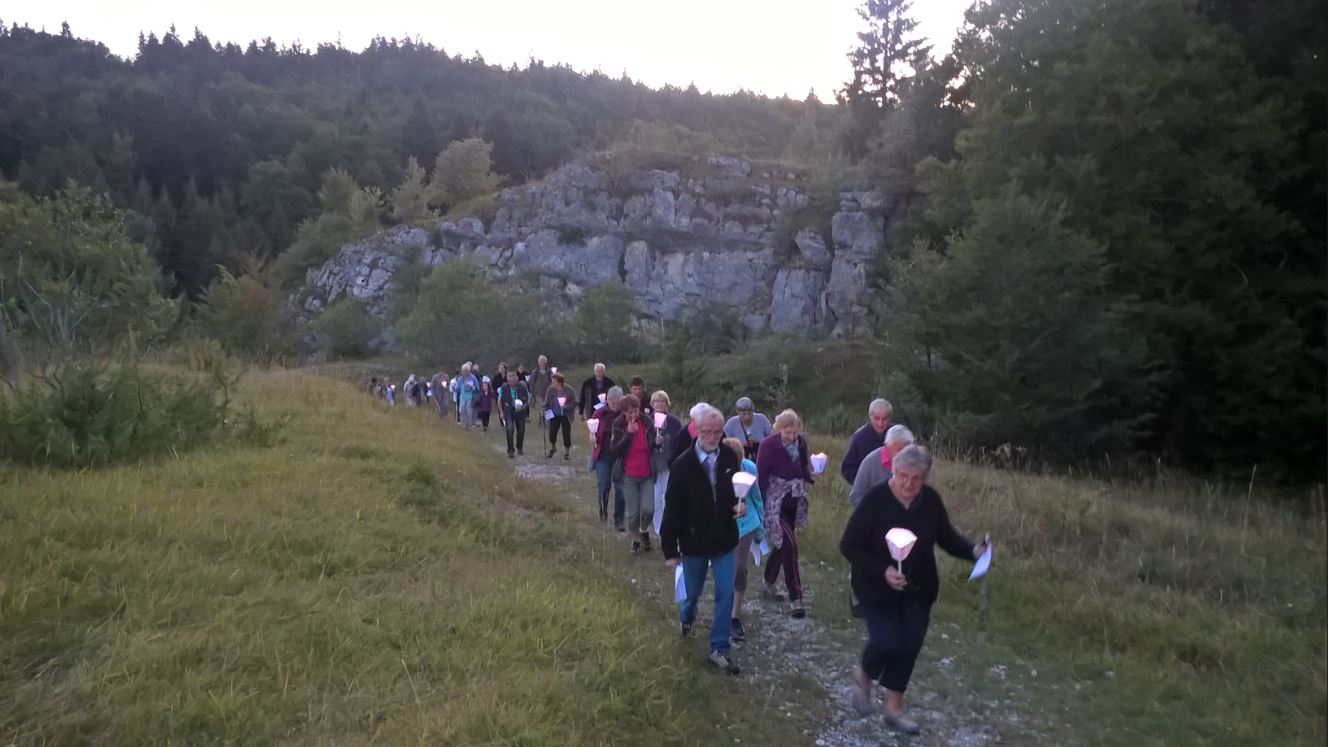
[(767, 46)]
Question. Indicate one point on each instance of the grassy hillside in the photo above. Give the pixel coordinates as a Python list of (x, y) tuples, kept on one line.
[(375, 578)]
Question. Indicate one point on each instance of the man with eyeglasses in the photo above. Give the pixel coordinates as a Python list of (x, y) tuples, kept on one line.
[(699, 530)]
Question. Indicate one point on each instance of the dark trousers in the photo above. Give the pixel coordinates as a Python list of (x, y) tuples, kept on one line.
[(786, 556), (484, 418), (516, 428), (560, 423), (894, 638)]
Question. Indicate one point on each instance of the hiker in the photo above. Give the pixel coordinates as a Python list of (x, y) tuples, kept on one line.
[(699, 530), (514, 409), (783, 468), (561, 403), (633, 442), (603, 461), (750, 531), (898, 601), (500, 376), (455, 387), (441, 393), (869, 437), (668, 434), (409, 389), (748, 426), (539, 382), (637, 388), (686, 439), (389, 392), (484, 403), (876, 466), (592, 388), (522, 375), (467, 391), (374, 391)]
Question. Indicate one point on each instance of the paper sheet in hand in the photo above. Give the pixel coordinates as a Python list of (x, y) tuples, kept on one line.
[(548, 414), (981, 567), (756, 554), (679, 585)]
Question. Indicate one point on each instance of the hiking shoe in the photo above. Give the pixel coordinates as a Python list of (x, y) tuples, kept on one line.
[(737, 633), (902, 724), (772, 592), (552, 451), (721, 659), (862, 693), (510, 455), (567, 457), (645, 541), (618, 527), (519, 452), (686, 630), (636, 548), (796, 610)]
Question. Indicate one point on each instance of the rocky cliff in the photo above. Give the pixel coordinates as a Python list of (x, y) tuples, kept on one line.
[(676, 233)]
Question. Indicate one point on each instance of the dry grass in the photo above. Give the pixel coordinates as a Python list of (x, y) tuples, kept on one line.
[(1189, 612)]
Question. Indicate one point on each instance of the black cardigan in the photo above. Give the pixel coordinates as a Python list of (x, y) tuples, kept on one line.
[(699, 520), (864, 545)]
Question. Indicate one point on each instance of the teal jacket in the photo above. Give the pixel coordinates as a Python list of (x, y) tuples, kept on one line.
[(754, 519)]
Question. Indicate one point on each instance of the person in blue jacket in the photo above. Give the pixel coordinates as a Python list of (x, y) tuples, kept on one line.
[(751, 530)]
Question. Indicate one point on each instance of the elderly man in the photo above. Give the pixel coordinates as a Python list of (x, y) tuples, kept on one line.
[(699, 529), (875, 468), (748, 426), (591, 389), (869, 437)]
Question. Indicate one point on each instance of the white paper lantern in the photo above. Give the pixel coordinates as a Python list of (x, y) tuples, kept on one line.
[(818, 462), (900, 541), (742, 483)]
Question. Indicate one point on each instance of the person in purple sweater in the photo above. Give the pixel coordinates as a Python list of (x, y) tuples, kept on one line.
[(898, 596), (783, 469)]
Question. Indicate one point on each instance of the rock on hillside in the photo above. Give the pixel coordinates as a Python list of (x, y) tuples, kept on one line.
[(677, 233)]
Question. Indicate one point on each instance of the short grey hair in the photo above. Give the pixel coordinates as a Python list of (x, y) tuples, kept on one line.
[(916, 457), (880, 404), (899, 433), (600, 367), (697, 409), (706, 412), (615, 392), (744, 403)]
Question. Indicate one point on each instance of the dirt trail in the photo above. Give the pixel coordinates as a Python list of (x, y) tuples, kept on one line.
[(802, 668)]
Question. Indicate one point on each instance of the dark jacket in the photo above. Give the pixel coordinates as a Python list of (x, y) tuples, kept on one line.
[(590, 391), (620, 441), (865, 440), (698, 518), (507, 395), (863, 543), (539, 383), (673, 431), (682, 441)]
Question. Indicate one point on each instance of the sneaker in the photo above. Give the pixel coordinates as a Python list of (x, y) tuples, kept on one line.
[(862, 693), (686, 630), (645, 541), (619, 528), (772, 592), (721, 659), (552, 451), (796, 610), (510, 455), (902, 723), (567, 456), (738, 634), (636, 548), (519, 452)]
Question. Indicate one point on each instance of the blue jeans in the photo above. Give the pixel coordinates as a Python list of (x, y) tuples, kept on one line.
[(603, 476), (694, 576)]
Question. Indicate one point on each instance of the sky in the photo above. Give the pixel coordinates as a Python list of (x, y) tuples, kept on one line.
[(771, 47)]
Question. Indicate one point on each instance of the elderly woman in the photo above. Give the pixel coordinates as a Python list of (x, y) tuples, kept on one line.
[(783, 468), (875, 467), (664, 448), (604, 461), (898, 601), (748, 426)]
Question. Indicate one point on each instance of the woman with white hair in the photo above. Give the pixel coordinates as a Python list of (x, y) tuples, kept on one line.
[(875, 467), (897, 596), (783, 469)]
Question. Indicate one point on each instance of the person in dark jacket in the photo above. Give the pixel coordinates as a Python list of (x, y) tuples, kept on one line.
[(686, 438), (560, 402), (699, 531), (592, 388), (514, 410), (603, 461), (540, 380), (668, 430), (637, 388), (868, 438), (898, 596)]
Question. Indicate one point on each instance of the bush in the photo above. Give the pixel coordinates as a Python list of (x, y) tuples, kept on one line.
[(347, 328), (96, 415)]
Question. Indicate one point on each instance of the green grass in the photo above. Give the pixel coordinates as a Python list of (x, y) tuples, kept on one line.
[(375, 578)]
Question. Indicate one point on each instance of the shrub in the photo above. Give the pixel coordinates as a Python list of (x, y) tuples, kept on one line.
[(96, 415), (347, 328)]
